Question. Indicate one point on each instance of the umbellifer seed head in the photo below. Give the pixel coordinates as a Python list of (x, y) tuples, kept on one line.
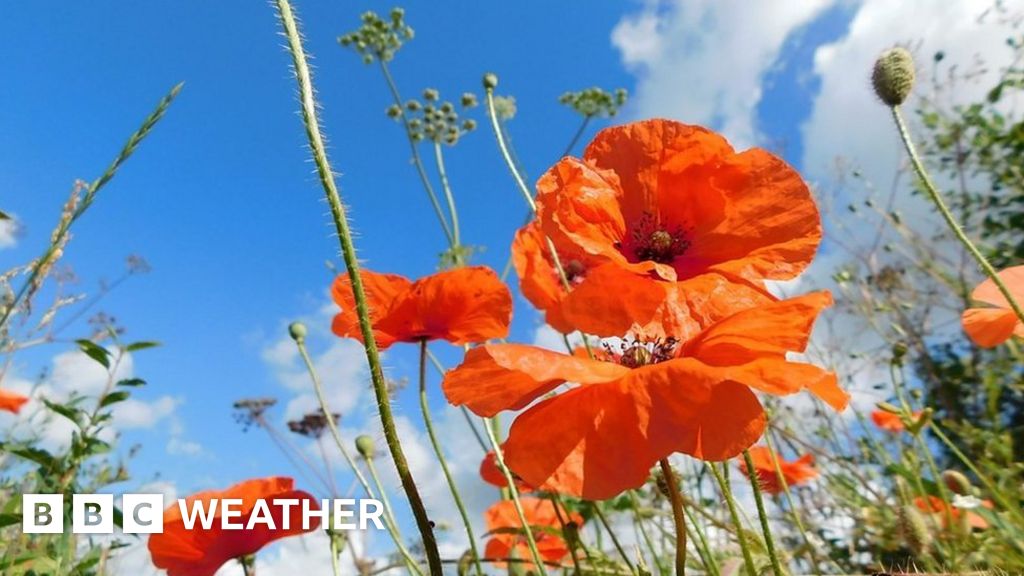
[(893, 76)]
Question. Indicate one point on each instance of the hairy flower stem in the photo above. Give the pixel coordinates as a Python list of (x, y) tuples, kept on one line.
[(947, 215), (416, 160), (723, 485), (428, 422), (766, 529), (672, 487), (59, 235), (499, 459), (332, 425), (348, 251), (702, 544)]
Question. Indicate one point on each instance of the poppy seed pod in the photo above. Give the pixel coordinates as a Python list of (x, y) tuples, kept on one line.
[(297, 330), (365, 446), (893, 76)]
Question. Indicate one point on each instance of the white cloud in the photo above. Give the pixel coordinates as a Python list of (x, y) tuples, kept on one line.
[(703, 61)]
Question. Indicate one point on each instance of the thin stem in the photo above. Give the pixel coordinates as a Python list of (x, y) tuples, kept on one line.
[(766, 528), (748, 559), (452, 241), (611, 533), (638, 522), (332, 425), (335, 552), (449, 197), (429, 424), (936, 198), (702, 544), (672, 486), (312, 125), (572, 540), (792, 507), (576, 137), (499, 459)]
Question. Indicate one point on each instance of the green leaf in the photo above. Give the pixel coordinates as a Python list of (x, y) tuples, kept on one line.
[(131, 382), (95, 351), (114, 398), (66, 411), (9, 519), (141, 346), (36, 455)]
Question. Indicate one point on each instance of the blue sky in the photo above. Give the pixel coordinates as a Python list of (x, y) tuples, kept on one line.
[(221, 200)]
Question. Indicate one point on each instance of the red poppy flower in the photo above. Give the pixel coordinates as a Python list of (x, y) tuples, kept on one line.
[(938, 507), (504, 524), (990, 327), (539, 278), (461, 306), (890, 422), (11, 401), (797, 472), (561, 482), (636, 406), (201, 552), (670, 202)]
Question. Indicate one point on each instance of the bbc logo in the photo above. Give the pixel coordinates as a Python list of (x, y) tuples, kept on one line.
[(92, 513)]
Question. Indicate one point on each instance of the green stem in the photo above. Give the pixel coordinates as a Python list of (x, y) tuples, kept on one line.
[(576, 137), (335, 552), (416, 160), (672, 486), (332, 425), (312, 125), (792, 507), (741, 537), (611, 533), (449, 197), (947, 215), (572, 540), (702, 544), (766, 528), (639, 522), (429, 424), (499, 459)]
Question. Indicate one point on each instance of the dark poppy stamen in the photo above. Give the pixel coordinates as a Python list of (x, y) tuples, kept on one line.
[(637, 353), (651, 240)]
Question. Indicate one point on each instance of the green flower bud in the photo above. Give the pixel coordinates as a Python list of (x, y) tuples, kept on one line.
[(447, 108), (468, 100), (394, 111), (413, 105), (893, 76), (365, 446), (431, 95), (490, 81), (957, 482), (297, 330), (469, 125)]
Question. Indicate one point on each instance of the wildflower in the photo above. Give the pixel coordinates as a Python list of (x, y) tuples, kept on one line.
[(637, 405), (202, 551), (664, 201), (12, 401), (461, 306), (989, 327), (558, 483), (503, 524), (944, 512), (797, 472), (888, 421)]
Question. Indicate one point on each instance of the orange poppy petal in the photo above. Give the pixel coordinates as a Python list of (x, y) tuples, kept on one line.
[(652, 155), (989, 293), (381, 290), (462, 306), (11, 401), (497, 377), (611, 301), (699, 412), (578, 206), (603, 423), (768, 330), (989, 327), (201, 552), (780, 377)]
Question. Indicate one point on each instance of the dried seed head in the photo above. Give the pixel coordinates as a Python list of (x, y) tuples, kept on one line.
[(893, 76)]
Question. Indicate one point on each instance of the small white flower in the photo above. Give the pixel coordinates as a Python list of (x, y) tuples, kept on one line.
[(965, 502)]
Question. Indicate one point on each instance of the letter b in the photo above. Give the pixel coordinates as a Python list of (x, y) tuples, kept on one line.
[(42, 513), (92, 513)]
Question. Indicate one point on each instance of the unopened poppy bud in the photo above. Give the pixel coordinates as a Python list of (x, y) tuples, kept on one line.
[(893, 76), (490, 81), (365, 446), (297, 330), (957, 482)]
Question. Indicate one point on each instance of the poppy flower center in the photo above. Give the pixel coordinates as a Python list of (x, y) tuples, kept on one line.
[(637, 353), (574, 270), (654, 241)]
